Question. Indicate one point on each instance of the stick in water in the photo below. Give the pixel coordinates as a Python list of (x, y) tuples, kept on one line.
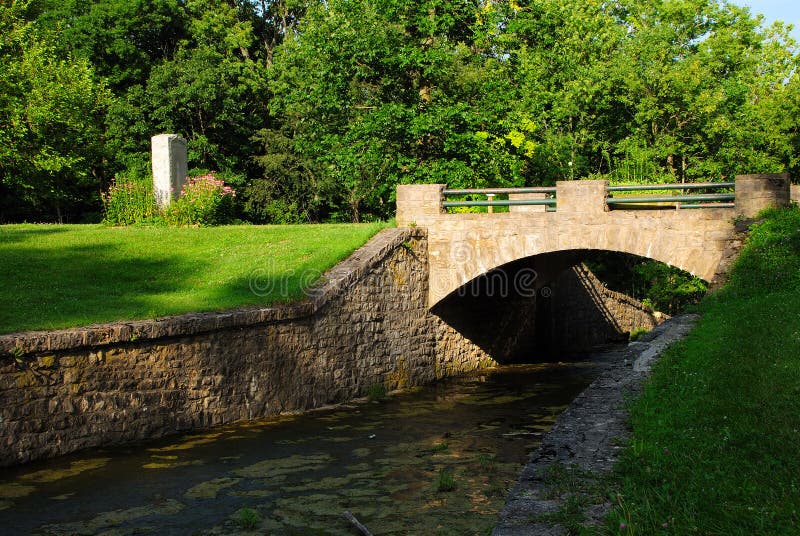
[(350, 517)]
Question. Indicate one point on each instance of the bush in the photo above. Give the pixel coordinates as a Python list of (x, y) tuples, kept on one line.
[(128, 202), (205, 200)]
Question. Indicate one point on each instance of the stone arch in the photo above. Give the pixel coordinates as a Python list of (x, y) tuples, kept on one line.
[(557, 308), (692, 242)]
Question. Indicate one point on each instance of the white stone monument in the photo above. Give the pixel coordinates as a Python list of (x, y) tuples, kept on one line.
[(169, 167)]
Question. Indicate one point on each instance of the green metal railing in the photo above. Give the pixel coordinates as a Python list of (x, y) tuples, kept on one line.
[(548, 202), (682, 200), (671, 186)]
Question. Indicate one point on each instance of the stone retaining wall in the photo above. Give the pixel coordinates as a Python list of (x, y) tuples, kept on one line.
[(366, 324), (585, 314)]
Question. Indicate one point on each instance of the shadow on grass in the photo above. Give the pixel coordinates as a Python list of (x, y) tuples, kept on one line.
[(21, 233), (45, 288)]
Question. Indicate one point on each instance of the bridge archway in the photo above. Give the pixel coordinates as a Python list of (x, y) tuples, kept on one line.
[(695, 242), (541, 307), (466, 246)]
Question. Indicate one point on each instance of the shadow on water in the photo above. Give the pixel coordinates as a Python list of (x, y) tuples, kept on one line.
[(297, 474)]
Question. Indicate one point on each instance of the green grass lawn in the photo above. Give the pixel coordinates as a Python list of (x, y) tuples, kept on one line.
[(56, 276), (716, 432)]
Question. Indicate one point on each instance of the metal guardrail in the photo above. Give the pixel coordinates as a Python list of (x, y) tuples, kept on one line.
[(671, 186), (681, 201), (705, 198), (495, 191), (548, 202)]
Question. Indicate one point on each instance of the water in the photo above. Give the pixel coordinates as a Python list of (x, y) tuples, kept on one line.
[(387, 462)]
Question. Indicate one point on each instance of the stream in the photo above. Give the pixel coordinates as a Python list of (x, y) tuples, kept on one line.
[(431, 460)]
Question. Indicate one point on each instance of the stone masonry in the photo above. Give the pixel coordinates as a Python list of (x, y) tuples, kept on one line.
[(169, 161), (465, 246), (569, 313), (367, 323)]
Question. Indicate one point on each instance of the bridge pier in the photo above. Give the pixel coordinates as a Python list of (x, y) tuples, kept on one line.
[(756, 192)]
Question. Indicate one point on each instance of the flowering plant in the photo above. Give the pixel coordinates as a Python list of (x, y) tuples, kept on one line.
[(204, 200), (128, 202)]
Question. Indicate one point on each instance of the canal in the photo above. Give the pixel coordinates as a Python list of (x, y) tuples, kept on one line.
[(433, 460)]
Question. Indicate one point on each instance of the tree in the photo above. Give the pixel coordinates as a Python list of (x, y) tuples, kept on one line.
[(211, 90), (378, 93), (51, 116), (123, 39)]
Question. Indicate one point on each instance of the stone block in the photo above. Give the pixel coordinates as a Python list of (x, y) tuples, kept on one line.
[(583, 197), (417, 204), (754, 193), (170, 166)]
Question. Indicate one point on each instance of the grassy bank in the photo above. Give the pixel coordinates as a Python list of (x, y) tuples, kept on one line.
[(54, 276), (716, 433)]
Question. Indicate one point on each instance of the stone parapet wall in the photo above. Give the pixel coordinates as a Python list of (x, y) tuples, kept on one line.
[(756, 192), (366, 323)]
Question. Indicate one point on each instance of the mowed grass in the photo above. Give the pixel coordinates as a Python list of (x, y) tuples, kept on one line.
[(57, 276), (716, 432)]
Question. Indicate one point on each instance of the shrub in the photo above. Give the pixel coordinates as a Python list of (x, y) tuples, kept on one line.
[(376, 391), (445, 481), (248, 519), (637, 333), (205, 200), (128, 202)]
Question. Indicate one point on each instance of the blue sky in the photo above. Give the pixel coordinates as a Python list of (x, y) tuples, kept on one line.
[(785, 10)]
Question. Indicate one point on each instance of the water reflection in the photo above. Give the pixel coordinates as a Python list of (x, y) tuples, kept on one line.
[(383, 461)]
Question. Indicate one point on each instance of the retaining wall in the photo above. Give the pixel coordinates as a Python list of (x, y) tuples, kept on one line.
[(368, 323)]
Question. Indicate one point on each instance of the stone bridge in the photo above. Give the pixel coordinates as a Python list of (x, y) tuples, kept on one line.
[(465, 246)]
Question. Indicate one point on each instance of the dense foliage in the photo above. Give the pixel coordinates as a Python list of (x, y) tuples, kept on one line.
[(314, 110), (662, 287)]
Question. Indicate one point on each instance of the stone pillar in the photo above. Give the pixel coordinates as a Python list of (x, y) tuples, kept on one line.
[(757, 192), (526, 208), (417, 204), (170, 165), (583, 197), (795, 193)]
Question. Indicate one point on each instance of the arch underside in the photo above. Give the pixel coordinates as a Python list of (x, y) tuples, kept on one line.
[(541, 308)]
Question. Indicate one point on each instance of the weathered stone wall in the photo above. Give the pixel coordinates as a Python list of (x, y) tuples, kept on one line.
[(367, 323), (756, 192), (583, 313)]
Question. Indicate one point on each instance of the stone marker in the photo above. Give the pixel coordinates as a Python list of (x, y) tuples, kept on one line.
[(169, 167)]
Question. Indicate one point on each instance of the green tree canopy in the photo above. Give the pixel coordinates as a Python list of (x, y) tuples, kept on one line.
[(51, 110), (317, 109)]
